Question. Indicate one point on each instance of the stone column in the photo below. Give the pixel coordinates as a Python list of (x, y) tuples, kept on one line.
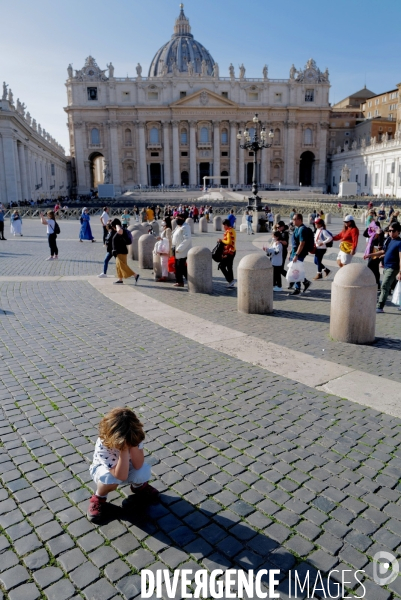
[(10, 170), (22, 166), (192, 153), (241, 162), (233, 154), (3, 189), (216, 149), (321, 174), (88, 173), (114, 155), (166, 150), (290, 153), (143, 175), (79, 159), (176, 154), (17, 170)]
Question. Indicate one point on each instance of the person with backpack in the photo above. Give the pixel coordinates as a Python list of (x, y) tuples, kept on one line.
[(120, 252), (52, 230), (226, 265), (302, 244), (109, 247), (349, 241), (323, 240), (249, 221)]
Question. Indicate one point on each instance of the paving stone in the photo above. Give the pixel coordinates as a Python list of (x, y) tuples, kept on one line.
[(44, 577), (8, 560), (72, 559), (130, 587), (116, 570), (14, 577), (140, 559), (299, 545), (322, 561), (84, 575), (27, 591), (62, 590)]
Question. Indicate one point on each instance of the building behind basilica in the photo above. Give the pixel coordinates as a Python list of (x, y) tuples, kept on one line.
[(180, 123)]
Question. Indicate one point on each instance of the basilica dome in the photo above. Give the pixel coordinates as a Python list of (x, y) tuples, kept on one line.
[(182, 54)]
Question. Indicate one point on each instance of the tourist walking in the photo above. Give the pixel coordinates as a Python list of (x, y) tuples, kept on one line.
[(392, 264), (322, 239), (232, 218), (85, 232), (125, 219), (349, 241), (52, 230), (120, 252), (109, 249), (226, 264), (249, 220), (16, 224), (167, 235), (285, 240), (104, 219), (118, 459), (300, 249), (275, 253), (2, 213), (181, 244)]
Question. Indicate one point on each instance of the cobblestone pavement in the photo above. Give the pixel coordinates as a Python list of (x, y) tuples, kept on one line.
[(256, 471)]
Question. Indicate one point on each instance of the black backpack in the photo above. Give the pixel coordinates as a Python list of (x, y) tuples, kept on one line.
[(309, 239), (329, 244), (56, 228), (217, 252)]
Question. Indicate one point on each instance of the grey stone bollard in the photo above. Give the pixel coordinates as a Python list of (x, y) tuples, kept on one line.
[(190, 222), (199, 265), (173, 224), (217, 221), (145, 251), (157, 266), (133, 249), (328, 218), (138, 227), (243, 228), (255, 285), (203, 225), (277, 218), (353, 305), (363, 218), (155, 227)]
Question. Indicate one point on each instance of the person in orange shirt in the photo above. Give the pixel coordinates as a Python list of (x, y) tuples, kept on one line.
[(226, 264), (349, 241)]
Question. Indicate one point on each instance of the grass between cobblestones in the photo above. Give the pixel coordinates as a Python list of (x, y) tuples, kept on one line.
[(255, 471)]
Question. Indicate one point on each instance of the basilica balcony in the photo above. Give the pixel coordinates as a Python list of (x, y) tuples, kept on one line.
[(151, 146), (204, 145), (95, 146)]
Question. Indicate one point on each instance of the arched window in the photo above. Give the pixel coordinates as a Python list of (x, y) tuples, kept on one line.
[(224, 136), (308, 138), (204, 135), (277, 137), (251, 132), (154, 135), (95, 137), (128, 136), (184, 137), (130, 173)]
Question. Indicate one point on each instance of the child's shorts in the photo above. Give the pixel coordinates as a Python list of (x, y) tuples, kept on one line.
[(344, 258), (101, 474)]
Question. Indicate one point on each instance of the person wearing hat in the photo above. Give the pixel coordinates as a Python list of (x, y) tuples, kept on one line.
[(226, 264), (349, 241), (322, 238)]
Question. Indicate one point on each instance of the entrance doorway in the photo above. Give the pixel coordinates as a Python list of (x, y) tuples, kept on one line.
[(249, 173), (204, 171), (185, 178), (224, 181), (306, 168), (155, 172), (96, 169)]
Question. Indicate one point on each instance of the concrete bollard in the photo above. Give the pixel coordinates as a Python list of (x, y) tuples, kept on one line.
[(173, 224), (145, 251), (157, 266), (155, 227), (277, 218), (328, 218), (138, 227), (255, 285), (133, 249), (363, 218), (243, 227), (190, 222), (217, 221), (199, 264), (203, 225), (353, 305)]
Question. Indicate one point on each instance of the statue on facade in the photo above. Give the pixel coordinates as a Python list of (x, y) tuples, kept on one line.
[(39, 129), (204, 68), (231, 71), (293, 71), (5, 86), (10, 96), (384, 139), (242, 71), (363, 143), (111, 69), (215, 72), (190, 67), (34, 124), (164, 69), (70, 71), (345, 173), (28, 118), (106, 172), (326, 74), (265, 72), (18, 107), (373, 141), (174, 68), (354, 145), (139, 71)]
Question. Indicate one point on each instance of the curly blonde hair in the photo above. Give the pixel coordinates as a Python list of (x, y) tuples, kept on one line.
[(121, 428)]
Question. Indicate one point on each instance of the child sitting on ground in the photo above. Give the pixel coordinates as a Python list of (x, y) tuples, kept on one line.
[(118, 459)]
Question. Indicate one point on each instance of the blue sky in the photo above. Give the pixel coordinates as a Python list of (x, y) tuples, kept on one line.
[(353, 38)]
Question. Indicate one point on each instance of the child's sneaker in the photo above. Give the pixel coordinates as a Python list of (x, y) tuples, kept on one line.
[(146, 492), (96, 509)]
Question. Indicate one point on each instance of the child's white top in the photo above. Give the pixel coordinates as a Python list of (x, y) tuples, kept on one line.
[(108, 457), (275, 252)]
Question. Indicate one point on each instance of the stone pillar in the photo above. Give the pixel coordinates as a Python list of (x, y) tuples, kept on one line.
[(173, 224), (241, 162), (193, 176), (133, 250), (87, 173), (18, 172), (143, 174), (176, 154), (216, 149), (199, 263), (321, 174), (328, 218), (255, 285), (277, 218), (79, 159), (353, 305), (157, 266), (191, 224), (217, 223), (10, 169), (114, 155), (22, 166), (203, 225), (233, 154), (145, 251), (155, 227), (166, 151), (290, 153)]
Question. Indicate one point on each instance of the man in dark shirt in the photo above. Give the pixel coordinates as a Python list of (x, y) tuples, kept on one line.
[(392, 264), (299, 250)]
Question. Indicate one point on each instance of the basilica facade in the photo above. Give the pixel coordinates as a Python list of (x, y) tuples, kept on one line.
[(180, 123)]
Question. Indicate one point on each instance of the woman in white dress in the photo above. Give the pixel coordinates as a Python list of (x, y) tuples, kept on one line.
[(16, 223)]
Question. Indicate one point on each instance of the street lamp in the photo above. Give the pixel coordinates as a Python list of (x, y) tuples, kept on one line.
[(254, 144)]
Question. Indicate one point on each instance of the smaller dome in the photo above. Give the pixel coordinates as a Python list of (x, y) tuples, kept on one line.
[(182, 49)]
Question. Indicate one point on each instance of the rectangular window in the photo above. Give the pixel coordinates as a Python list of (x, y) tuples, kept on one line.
[(388, 175), (53, 170), (154, 154), (278, 98), (366, 179), (224, 94), (393, 167), (153, 95), (184, 153), (369, 115), (251, 154), (92, 93), (253, 96), (356, 178), (376, 179), (224, 154), (126, 96), (309, 95), (183, 94)]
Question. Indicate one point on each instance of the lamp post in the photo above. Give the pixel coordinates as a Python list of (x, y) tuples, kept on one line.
[(255, 144)]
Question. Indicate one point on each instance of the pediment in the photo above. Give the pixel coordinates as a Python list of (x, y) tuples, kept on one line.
[(204, 99)]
